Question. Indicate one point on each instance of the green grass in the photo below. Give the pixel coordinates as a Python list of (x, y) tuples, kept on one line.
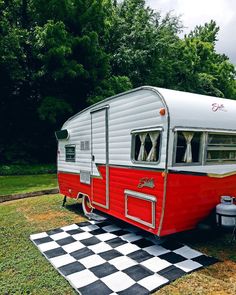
[(24, 270), (26, 183)]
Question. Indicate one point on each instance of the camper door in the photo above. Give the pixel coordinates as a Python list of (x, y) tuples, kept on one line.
[(100, 157)]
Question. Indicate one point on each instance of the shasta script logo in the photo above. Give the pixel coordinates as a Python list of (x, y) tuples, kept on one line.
[(218, 107), (148, 182)]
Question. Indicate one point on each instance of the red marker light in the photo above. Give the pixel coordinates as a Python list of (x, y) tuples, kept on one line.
[(162, 112)]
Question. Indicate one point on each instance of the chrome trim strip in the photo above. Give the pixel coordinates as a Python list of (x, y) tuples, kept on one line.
[(157, 128), (100, 205), (107, 159), (167, 154), (153, 169), (182, 128), (99, 109), (215, 175), (141, 195), (91, 124), (82, 194)]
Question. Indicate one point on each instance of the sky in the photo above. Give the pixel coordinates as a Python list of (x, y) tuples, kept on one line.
[(198, 12)]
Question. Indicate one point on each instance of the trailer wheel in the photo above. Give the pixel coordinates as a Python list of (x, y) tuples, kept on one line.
[(86, 205)]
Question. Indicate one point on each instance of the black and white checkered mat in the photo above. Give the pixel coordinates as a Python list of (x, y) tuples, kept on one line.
[(102, 258)]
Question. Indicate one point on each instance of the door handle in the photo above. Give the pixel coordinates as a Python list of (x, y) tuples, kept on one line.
[(93, 158)]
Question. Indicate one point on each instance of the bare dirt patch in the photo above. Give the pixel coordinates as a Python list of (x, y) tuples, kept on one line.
[(219, 279), (45, 216)]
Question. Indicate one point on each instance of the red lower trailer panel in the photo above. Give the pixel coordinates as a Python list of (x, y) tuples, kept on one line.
[(137, 196), (134, 195), (190, 198)]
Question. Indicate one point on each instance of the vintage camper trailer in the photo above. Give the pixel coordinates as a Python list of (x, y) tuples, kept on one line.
[(156, 158)]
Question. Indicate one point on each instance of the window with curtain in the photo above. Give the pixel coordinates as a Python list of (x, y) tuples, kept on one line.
[(146, 146), (70, 153), (221, 148), (188, 147)]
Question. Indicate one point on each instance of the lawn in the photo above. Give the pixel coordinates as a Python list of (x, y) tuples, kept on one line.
[(27, 183), (23, 270)]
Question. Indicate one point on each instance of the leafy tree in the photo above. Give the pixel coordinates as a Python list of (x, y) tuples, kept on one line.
[(52, 60), (147, 48), (15, 79), (58, 56), (73, 62), (201, 68), (140, 42)]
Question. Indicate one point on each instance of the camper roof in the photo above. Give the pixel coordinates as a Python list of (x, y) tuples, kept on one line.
[(193, 110), (187, 109)]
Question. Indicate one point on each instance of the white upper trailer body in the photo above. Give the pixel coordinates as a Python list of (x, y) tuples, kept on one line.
[(157, 158)]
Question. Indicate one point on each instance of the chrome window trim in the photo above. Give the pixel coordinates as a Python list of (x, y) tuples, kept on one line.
[(219, 162), (137, 131), (74, 146), (201, 152), (158, 128), (197, 129), (204, 143)]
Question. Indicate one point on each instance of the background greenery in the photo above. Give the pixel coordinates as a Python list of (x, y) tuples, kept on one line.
[(27, 169), (27, 183), (59, 56)]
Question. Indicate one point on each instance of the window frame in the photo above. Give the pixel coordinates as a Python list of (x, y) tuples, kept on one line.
[(73, 160), (201, 148), (206, 149), (145, 130)]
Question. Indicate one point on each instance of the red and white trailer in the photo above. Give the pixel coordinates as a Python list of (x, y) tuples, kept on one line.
[(156, 158)]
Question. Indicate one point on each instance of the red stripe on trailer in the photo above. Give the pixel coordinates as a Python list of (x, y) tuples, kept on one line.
[(189, 198), (120, 179), (70, 186)]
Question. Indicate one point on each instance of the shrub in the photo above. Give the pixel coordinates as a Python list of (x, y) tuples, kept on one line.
[(27, 169)]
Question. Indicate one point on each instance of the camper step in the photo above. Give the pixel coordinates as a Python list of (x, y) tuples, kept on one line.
[(95, 217)]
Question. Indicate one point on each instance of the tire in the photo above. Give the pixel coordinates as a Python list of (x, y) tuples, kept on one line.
[(86, 205)]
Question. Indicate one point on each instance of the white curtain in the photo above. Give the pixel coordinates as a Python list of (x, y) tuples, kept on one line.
[(188, 158), (142, 156), (152, 156)]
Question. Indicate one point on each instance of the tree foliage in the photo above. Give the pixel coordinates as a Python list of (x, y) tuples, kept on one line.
[(147, 48), (58, 56)]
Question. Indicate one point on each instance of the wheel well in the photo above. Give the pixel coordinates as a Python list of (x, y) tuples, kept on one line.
[(80, 195)]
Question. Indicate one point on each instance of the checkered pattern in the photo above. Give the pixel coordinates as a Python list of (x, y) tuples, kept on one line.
[(106, 258)]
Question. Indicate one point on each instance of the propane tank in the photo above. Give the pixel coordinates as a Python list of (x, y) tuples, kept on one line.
[(226, 212)]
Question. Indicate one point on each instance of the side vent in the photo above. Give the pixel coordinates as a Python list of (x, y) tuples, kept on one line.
[(84, 145)]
